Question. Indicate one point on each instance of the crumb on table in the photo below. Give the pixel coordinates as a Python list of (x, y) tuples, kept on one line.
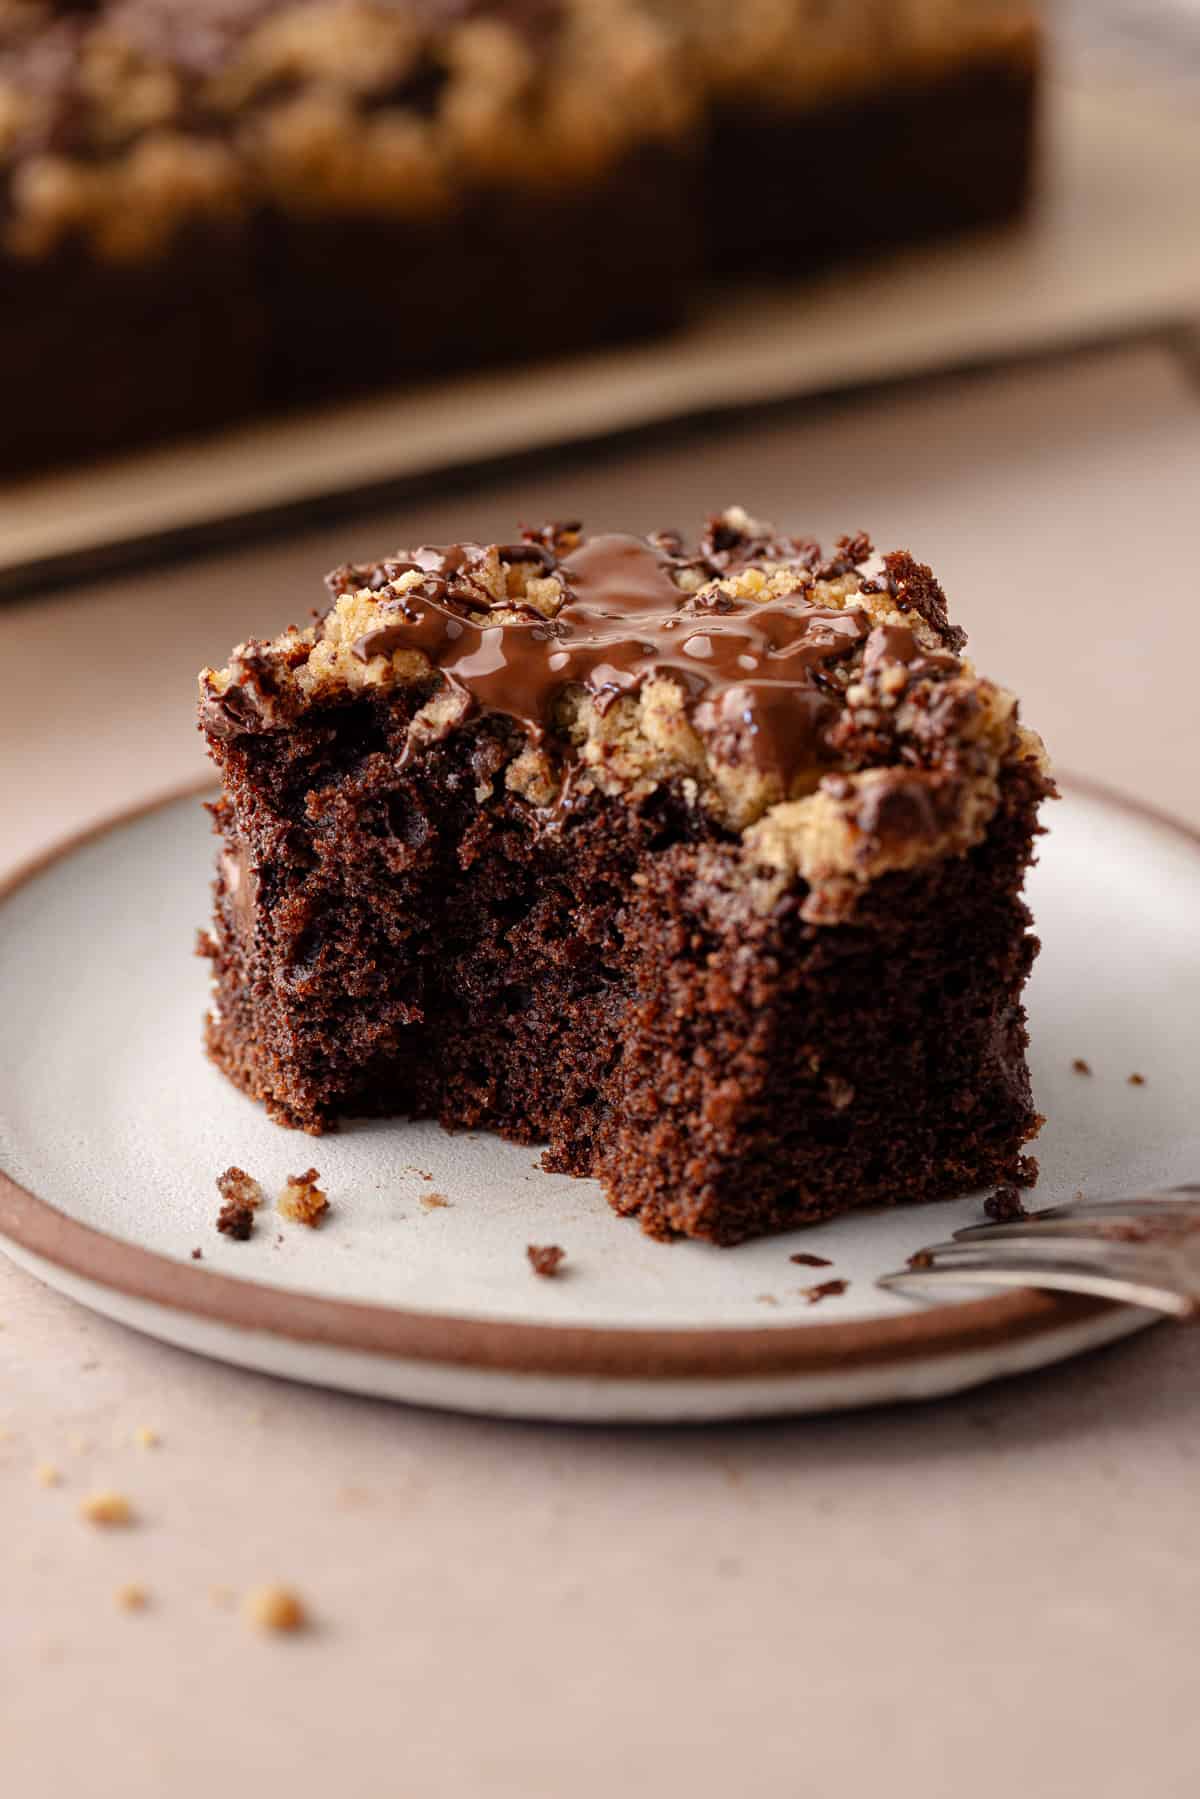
[(433, 1202), (302, 1201), (545, 1258), (824, 1290), (1005, 1206), (275, 1609), (1137, 1080), (48, 1475), (146, 1437), (132, 1598), (806, 1259), (197, 1255), (1080, 1066), (106, 1508)]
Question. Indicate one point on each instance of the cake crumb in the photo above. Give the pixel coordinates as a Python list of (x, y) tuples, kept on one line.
[(1137, 1080), (1080, 1066), (1028, 1168), (824, 1290), (275, 1609), (766, 1299), (106, 1508), (240, 1189), (1005, 1206), (545, 1258), (132, 1598), (235, 1221), (302, 1201), (433, 1202), (197, 1255), (807, 1260), (146, 1437), (48, 1475)]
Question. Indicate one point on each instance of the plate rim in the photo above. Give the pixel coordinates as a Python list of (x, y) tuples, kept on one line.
[(598, 1352)]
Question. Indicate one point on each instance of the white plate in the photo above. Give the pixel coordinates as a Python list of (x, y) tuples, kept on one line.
[(113, 1127)]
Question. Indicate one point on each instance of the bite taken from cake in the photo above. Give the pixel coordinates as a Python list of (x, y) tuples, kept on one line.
[(699, 863)]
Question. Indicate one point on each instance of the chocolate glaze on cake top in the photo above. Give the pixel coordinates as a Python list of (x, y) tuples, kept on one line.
[(624, 619), (822, 700)]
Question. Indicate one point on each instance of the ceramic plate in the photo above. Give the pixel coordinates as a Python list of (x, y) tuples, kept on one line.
[(113, 1128)]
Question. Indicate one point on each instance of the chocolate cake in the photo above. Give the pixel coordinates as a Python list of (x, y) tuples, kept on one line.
[(700, 864), (849, 127), (211, 207)]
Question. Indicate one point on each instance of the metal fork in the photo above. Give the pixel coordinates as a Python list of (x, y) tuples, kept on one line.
[(1144, 1251)]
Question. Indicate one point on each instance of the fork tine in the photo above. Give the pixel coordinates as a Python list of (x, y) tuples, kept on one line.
[(1091, 1219), (1182, 1200), (1144, 1251), (925, 1283), (1052, 1250)]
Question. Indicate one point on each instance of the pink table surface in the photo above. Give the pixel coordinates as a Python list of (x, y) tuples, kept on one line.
[(991, 1594)]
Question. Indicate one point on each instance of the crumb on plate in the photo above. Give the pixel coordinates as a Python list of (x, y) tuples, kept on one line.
[(235, 1221), (238, 1188), (545, 1258), (824, 1290), (302, 1201), (1005, 1206)]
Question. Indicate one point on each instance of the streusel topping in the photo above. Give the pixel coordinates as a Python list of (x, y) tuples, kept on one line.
[(819, 705), (122, 122)]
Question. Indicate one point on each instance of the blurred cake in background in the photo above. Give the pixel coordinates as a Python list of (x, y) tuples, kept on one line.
[(207, 206), (213, 207), (847, 125)]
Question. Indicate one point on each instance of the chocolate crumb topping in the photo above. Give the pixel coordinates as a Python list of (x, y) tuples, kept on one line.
[(816, 704), (751, 669), (807, 1260)]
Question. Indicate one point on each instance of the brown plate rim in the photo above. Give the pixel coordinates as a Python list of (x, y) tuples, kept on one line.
[(507, 1346)]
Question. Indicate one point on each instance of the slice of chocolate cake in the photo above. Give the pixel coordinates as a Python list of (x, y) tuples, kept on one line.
[(701, 865)]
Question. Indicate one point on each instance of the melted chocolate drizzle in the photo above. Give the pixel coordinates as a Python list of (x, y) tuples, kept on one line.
[(751, 670)]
